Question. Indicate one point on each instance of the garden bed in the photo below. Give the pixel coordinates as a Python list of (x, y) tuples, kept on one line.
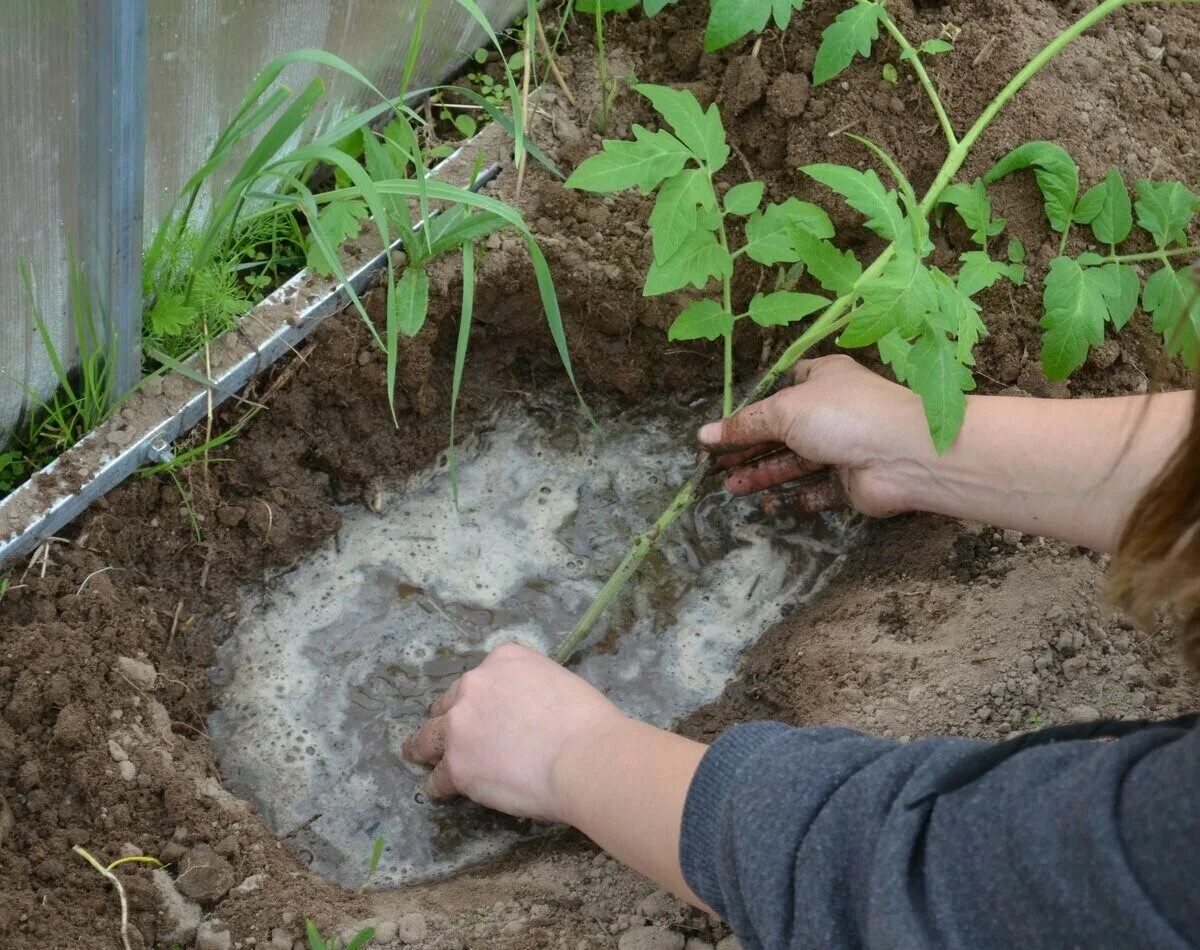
[(932, 627)]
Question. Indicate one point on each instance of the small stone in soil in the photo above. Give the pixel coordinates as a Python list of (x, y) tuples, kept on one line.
[(412, 928), (204, 875), (140, 674), (210, 937), (180, 917)]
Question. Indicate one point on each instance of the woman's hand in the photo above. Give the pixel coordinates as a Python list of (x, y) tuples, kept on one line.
[(840, 418), (499, 734)]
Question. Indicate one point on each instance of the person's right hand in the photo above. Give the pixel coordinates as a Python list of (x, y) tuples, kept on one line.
[(867, 433)]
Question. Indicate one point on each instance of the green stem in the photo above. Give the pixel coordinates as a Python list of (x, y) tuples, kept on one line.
[(1160, 255), (727, 302), (832, 320), (603, 68), (919, 68)]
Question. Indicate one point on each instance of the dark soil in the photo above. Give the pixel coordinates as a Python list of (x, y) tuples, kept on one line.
[(934, 626)]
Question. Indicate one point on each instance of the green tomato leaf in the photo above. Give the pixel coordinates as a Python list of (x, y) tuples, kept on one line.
[(676, 210), (655, 7), (784, 307), (1016, 251), (1121, 293), (979, 272), (702, 320), (854, 31), (890, 73), (1075, 312), (1107, 208), (894, 350), (170, 316), (1174, 303), (606, 6), (642, 163), (865, 193), (975, 208), (1165, 209), (958, 315), (935, 46), (936, 375), (700, 130), (408, 304), (744, 198), (699, 258), (769, 233), (1056, 173), (902, 297), (730, 20), (837, 271)]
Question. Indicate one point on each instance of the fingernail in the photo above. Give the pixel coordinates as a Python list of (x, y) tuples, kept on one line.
[(710, 434)]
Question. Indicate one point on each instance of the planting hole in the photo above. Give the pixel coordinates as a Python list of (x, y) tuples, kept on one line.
[(336, 661)]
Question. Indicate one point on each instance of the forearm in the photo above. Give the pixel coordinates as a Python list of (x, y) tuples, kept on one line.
[(1065, 468), (625, 788)]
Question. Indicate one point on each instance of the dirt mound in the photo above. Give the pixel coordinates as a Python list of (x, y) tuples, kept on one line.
[(933, 627)]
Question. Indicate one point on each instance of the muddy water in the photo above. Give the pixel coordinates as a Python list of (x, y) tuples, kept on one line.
[(336, 661)]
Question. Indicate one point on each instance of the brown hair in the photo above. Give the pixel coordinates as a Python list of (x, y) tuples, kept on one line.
[(1158, 561)]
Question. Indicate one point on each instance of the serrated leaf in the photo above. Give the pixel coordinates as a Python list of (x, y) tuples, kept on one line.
[(675, 214), (700, 130), (339, 221), (902, 297), (1165, 209), (979, 272), (701, 320), (784, 307), (170, 316), (730, 20), (699, 258), (769, 233), (1074, 318), (1174, 303), (890, 74), (1056, 173), (837, 271), (1121, 292), (975, 208), (643, 163), (408, 304), (1016, 251), (744, 198), (865, 193), (936, 375), (894, 350), (958, 315), (1107, 208), (854, 31)]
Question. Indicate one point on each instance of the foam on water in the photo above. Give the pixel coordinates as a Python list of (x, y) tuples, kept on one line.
[(335, 662)]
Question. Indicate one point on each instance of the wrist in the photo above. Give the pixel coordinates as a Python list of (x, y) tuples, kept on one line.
[(576, 766)]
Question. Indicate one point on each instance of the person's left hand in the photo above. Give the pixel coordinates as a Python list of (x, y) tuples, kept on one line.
[(498, 734)]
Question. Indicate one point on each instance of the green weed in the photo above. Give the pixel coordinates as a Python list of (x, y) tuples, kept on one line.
[(316, 942), (924, 321)]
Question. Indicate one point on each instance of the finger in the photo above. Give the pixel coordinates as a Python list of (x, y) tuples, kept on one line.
[(427, 745), (777, 469), (438, 785), (441, 705), (818, 495), (764, 421), (801, 371), (734, 459)]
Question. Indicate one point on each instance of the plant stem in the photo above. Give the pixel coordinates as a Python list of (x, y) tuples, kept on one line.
[(1161, 255), (832, 320), (919, 68), (727, 302), (553, 61), (603, 68)]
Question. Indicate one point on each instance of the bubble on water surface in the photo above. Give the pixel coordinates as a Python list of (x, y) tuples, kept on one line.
[(336, 661)]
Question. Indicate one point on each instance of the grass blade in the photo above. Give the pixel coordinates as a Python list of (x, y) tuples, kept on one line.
[(460, 357)]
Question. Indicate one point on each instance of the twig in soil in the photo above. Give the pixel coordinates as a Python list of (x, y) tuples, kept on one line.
[(553, 60), (843, 128), (208, 553), (107, 873), (174, 624), (304, 824), (103, 570), (986, 53), (43, 552)]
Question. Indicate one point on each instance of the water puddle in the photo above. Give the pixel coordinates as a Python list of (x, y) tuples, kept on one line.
[(335, 662)]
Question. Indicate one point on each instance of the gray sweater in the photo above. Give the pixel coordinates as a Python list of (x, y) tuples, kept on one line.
[(829, 838)]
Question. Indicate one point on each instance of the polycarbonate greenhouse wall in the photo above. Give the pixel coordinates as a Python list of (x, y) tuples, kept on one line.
[(106, 108)]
